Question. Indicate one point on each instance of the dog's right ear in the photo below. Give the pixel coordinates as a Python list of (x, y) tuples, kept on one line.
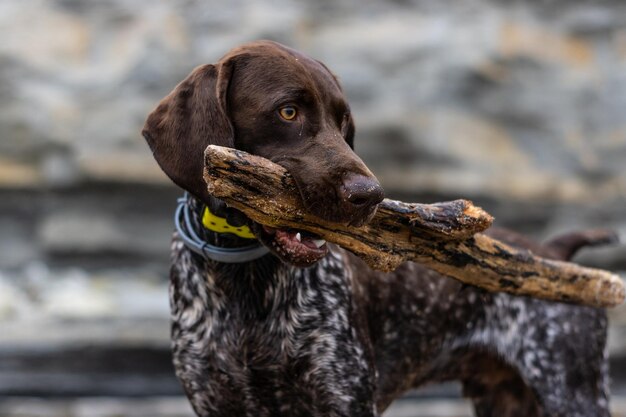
[(186, 121)]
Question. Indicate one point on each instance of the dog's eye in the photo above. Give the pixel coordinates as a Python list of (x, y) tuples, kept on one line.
[(288, 112)]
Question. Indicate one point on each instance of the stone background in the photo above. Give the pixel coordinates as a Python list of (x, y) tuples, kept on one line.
[(520, 106)]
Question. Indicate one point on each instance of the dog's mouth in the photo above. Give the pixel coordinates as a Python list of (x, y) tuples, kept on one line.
[(296, 247)]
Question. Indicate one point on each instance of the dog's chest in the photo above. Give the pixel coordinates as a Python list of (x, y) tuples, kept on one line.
[(278, 351)]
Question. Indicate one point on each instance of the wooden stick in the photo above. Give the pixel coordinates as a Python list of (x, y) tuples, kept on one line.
[(444, 236)]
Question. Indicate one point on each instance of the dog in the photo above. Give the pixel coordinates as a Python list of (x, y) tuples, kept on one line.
[(271, 322)]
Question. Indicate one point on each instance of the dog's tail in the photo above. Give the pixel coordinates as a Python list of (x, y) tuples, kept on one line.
[(565, 246)]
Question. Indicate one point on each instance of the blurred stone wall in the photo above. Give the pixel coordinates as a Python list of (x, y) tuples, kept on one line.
[(520, 106)]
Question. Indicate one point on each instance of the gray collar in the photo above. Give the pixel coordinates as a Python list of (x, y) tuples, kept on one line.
[(184, 227)]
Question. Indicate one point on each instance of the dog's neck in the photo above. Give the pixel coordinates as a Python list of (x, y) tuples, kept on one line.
[(218, 209), (250, 283), (213, 237)]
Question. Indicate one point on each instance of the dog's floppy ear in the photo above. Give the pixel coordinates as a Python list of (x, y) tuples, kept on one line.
[(186, 121)]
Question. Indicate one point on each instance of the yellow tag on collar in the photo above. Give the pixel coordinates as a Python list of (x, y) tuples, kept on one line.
[(220, 225)]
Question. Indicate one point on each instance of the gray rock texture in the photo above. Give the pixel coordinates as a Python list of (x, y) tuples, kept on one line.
[(518, 105)]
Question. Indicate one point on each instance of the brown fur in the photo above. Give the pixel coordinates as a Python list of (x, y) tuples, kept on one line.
[(267, 338)]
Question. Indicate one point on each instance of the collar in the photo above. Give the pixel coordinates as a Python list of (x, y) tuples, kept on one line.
[(218, 224), (185, 229)]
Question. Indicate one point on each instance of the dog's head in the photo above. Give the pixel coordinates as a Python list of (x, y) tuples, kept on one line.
[(271, 101)]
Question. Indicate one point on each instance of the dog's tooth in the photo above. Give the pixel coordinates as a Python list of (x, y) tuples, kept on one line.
[(298, 237), (319, 242)]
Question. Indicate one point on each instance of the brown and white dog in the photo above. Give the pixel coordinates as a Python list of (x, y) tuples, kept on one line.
[(308, 329)]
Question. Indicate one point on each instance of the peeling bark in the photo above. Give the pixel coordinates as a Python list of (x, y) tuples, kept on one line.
[(443, 236)]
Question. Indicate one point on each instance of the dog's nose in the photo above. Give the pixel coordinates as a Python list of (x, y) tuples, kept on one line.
[(361, 192)]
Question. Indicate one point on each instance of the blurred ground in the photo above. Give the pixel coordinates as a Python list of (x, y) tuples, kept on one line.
[(178, 407), (517, 105)]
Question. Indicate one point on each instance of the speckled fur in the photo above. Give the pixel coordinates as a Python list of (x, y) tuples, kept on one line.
[(337, 339), (266, 338)]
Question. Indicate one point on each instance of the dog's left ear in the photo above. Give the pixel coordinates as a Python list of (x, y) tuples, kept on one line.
[(186, 121)]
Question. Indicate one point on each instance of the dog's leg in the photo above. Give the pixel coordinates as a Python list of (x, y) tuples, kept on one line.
[(566, 387), (556, 352), (504, 401), (498, 391)]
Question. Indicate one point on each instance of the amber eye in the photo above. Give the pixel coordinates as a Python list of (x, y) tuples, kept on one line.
[(288, 112)]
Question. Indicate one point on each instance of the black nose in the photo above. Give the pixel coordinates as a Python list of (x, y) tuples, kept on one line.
[(361, 192)]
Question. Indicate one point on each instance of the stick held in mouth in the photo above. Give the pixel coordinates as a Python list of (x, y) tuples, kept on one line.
[(443, 236)]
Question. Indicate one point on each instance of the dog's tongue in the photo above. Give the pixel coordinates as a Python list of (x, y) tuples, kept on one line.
[(299, 247)]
